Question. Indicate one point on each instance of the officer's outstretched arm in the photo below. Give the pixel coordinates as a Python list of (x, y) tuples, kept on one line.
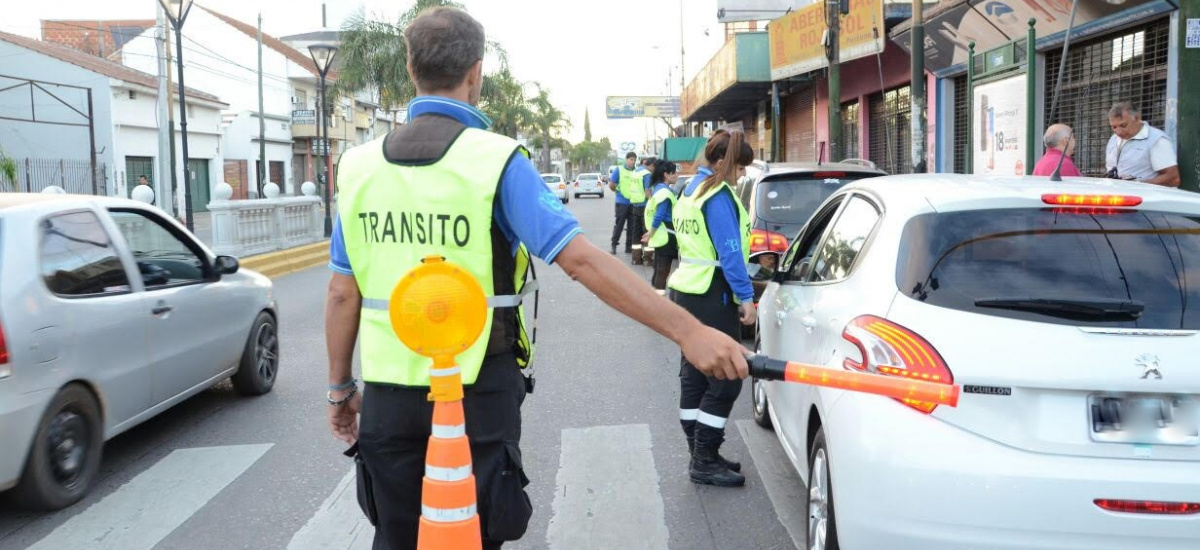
[(712, 352)]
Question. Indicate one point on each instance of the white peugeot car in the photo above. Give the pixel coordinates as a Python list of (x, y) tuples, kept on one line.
[(1067, 311)]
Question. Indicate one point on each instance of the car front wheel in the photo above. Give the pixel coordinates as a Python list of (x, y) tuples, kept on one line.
[(822, 523), (260, 359), (66, 453)]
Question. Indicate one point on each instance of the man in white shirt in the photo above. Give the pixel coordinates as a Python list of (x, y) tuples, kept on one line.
[(1138, 151)]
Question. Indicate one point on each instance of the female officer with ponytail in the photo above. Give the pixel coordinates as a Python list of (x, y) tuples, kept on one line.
[(712, 283), (658, 218)]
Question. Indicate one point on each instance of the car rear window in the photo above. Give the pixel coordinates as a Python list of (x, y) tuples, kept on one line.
[(589, 177), (552, 179), (792, 198), (958, 259)]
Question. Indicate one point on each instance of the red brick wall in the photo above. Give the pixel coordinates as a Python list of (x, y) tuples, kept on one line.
[(237, 176), (94, 37)]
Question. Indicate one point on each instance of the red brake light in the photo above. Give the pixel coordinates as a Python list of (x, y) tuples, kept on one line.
[(766, 241), (892, 350), (1149, 507), (822, 175), (1067, 199), (3, 348)]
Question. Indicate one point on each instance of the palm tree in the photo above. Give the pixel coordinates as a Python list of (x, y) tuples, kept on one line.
[(373, 56), (504, 101), (547, 121)]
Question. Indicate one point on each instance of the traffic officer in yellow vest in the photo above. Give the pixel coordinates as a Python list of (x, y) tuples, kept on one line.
[(443, 185), (712, 283), (631, 183), (661, 236)]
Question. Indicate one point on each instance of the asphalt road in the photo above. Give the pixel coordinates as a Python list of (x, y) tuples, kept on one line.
[(602, 446)]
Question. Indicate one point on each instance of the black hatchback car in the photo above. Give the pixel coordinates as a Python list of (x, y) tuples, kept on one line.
[(781, 197)]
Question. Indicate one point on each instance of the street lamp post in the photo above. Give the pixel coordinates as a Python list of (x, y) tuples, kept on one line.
[(322, 56), (177, 12)]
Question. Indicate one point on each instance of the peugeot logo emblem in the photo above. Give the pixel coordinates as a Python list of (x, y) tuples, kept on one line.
[(1149, 364)]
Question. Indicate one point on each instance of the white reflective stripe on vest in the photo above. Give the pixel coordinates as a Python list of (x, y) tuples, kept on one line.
[(449, 432), (447, 474), (494, 302), (694, 261), (447, 515), (445, 372)]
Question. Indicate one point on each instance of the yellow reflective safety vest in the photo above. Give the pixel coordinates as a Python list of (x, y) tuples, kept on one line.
[(393, 215), (631, 184), (698, 260), (662, 236)]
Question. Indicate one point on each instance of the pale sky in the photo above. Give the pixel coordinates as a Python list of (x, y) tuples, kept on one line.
[(578, 49)]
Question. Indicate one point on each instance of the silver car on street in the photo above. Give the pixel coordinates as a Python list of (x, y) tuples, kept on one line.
[(110, 313)]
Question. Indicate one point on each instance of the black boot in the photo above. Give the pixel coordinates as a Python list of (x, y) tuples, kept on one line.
[(613, 250), (707, 468), (731, 464)]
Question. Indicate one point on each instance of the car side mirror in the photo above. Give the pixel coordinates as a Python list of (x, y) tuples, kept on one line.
[(763, 265), (227, 265), (803, 269)]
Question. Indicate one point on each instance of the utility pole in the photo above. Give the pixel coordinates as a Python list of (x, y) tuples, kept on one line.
[(166, 159), (682, 71), (833, 9), (171, 126), (262, 119), (919, 104)]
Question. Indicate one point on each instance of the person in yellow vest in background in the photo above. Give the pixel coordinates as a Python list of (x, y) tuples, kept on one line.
[(443, 185), (661, 236), (713, 283), (630, 182)]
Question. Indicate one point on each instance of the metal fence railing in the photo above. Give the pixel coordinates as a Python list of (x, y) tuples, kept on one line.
[(73, 175)]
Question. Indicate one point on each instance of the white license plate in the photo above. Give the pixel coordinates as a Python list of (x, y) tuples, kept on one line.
[(1145, 419)]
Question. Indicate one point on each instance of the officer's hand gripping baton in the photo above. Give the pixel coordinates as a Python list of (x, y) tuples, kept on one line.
[(765, 368)]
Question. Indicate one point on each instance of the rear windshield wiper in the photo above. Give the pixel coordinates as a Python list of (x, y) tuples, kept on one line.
[(1101, 308)]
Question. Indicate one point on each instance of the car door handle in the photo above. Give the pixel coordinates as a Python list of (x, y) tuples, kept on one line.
[(808, 321), (161, 308), (780, 317)]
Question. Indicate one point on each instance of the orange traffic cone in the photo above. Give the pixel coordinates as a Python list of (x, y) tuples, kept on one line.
[(449, 519)]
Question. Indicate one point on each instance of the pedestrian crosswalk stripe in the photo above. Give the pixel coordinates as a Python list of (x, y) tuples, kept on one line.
[(607, 493), (339, 523), (148, 508)]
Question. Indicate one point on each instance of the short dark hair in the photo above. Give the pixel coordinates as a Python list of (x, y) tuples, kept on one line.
[(648, 161), (630, 155), (1122, 108), (143, 176), (443, 45)]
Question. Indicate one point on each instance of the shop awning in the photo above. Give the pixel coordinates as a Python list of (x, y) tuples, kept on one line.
[(685, 149), (953, 24), (735, 80)]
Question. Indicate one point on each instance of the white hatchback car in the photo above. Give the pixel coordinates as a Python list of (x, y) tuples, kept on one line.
[(1061, 308), (557, 184)]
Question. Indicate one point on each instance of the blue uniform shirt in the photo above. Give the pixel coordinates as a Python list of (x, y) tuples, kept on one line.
[(721, 216), (615, 177), (526, 211)]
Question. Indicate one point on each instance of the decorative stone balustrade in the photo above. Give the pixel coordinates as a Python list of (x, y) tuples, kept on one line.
[(257, 226)]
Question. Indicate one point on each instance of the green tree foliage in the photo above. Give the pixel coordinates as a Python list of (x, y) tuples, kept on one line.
[(504, 101), (548, 122)]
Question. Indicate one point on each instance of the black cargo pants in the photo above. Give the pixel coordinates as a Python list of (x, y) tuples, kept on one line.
[(394, 433)]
